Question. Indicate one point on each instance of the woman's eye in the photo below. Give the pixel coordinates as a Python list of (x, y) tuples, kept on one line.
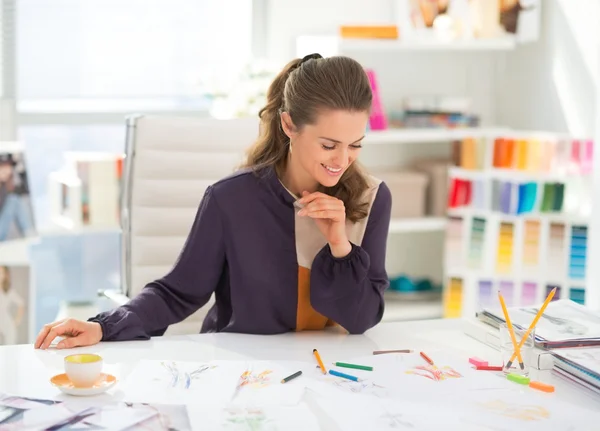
[(328, 147), (356, 146)]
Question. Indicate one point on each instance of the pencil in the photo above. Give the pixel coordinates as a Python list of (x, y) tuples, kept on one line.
[(345, 376), (427, 358), (357, 367), (383, 352), (319, 361), (537, 317), (511, 332), (293, 376)]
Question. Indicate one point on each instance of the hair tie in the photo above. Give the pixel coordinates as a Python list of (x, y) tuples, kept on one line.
[(314, 56)]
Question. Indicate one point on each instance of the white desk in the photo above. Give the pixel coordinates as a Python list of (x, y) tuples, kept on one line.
[(25, 371)]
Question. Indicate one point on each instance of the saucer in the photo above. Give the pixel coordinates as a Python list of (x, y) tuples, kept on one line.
[(62, 382)]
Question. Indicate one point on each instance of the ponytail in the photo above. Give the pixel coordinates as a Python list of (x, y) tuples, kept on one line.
[(271, 147)]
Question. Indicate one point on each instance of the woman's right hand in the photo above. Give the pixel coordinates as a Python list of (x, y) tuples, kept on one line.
[(76, 333)]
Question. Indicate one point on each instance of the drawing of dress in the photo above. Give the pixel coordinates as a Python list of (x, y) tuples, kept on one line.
[(564, 326)]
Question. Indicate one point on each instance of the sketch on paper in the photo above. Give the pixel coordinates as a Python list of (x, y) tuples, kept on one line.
[(245, 419), (393, 421), (178, 378), (521, 412), (256, 380), (435, 373)]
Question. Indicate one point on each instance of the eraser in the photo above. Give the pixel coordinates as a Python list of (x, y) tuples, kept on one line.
[(478, 362), (518, 378), (541, 386)]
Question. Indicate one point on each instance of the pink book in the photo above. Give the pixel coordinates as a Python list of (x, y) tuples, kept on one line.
[(377, 120), (587, 156)]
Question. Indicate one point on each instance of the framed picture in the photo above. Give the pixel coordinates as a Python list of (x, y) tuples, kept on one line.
[(15, 305), (16, 212)]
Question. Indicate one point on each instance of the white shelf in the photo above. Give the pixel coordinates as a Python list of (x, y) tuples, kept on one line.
[(425, 224), (329, 45), (514, 174), (416, 136), (499, 44), (549, 217)]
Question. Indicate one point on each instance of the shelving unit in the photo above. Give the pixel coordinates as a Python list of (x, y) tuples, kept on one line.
[(425, 224), (419, 136), (334, 45)]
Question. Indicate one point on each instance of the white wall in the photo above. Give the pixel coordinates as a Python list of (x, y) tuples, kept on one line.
[(551, 84)]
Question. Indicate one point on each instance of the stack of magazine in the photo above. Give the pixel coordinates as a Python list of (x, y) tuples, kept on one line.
[(570, 332), (564, 324)]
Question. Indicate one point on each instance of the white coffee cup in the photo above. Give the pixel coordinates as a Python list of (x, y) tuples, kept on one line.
[(83, 369)]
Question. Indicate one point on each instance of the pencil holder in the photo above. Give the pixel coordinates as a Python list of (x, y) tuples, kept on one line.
[(512, 363)]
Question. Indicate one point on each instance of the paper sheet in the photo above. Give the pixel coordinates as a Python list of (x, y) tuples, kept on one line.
[(261, 385), (179, 382), (84, 414), (408, 376), (266, 418)]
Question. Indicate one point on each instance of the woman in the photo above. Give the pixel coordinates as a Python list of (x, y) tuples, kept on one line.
[(12, 308), (295, 240)]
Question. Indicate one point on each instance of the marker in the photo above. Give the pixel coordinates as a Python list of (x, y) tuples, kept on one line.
[(357, 367), (293, 376), (488, 368), (541, 386), (478, 362), (424, 356), (523, 380), (319, 361), (345, 376)]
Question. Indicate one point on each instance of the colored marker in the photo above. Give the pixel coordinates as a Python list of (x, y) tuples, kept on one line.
[(357, 367), (518, 378), (488, 368), (345, 376), (424, 356), (319, 361), (478, 362), (383, 352), (293, 376), (541, 386)]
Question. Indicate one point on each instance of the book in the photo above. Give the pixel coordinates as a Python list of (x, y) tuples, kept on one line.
[(580, 365), (564, 323)]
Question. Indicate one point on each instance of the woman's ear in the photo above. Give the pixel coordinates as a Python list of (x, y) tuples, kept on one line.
[(287, 125)]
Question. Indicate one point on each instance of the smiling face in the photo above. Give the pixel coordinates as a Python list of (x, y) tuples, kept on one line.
[(323, 151)]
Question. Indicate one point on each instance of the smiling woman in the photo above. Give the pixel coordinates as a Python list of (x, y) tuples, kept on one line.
[(295, 240)]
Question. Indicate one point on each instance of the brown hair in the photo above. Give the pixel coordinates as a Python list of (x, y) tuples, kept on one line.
[(302, 89)]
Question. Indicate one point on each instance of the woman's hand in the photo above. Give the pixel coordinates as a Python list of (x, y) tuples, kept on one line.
[(76, 333), (329, 214)]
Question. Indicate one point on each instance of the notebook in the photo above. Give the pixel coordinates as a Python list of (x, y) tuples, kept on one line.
[(564, 323), (582, 366)]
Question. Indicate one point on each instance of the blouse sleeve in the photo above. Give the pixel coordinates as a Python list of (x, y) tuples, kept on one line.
[(186, 288), (349, 290)]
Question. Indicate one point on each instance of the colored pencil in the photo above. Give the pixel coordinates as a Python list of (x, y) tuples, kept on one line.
[(424, 356), (345, 376), (293, 376), (357, 367), (537, 317), (383, 352), (511, 331), (319, 361)]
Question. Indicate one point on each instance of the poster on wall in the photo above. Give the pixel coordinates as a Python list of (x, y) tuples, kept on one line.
[(15, 309), (16, 210)]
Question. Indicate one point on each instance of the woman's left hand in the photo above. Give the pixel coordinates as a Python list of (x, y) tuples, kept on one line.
[(329, 214)]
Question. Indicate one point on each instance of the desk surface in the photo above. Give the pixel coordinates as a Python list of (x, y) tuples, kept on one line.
[(25, 371)]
